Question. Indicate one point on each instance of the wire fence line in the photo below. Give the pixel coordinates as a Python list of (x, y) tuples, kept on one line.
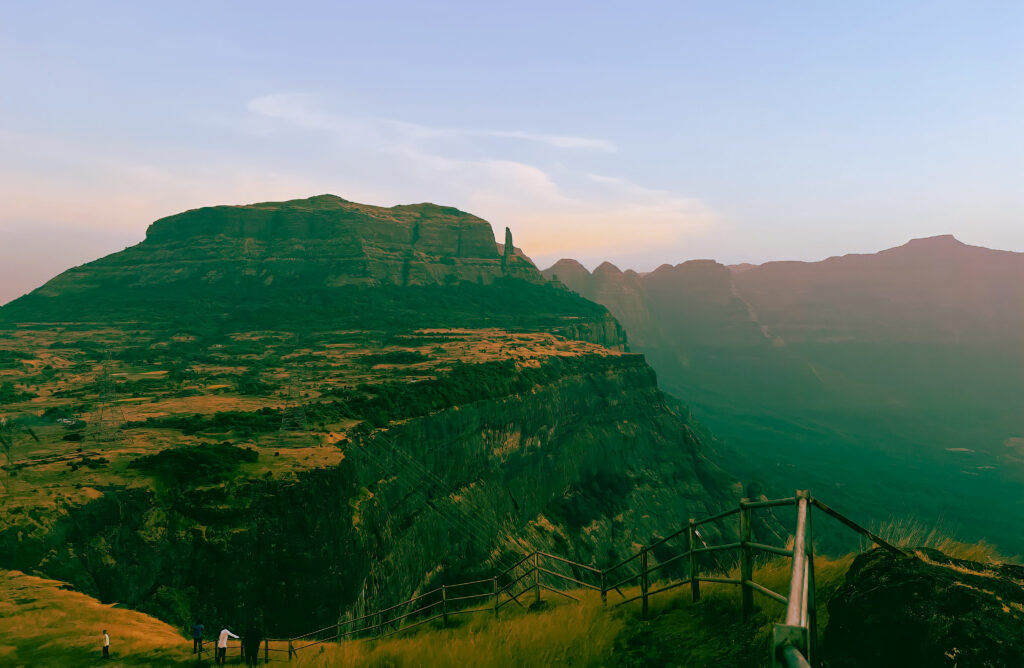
[(683, 562)]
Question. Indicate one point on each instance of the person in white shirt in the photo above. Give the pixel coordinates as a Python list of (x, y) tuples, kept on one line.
[(222, 645), (106, 645)]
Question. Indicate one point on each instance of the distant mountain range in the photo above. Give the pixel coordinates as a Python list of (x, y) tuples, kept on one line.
[(897, 375)]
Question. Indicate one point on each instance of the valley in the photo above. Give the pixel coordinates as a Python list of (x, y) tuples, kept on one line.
[(893, 380)]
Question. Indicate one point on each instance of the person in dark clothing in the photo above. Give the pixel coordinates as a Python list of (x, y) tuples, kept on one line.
[(197, 637), (251, 640)]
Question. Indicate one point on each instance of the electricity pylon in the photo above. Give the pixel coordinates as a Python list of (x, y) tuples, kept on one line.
[(293, 416), (106, 425)]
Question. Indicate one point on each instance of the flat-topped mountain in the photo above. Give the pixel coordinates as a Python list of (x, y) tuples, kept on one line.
[(324, 260), (351, 243), (326, 240)]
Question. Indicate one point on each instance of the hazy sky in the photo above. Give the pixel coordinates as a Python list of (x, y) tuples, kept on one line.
[(637, 132)]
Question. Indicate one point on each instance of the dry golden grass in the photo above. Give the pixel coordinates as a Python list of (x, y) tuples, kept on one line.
[(913, 533), (563, 634), (44, 625), (585, 634)]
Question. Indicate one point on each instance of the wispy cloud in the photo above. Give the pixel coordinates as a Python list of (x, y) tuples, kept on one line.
[(554, 210), (304, 110), (289, 146)]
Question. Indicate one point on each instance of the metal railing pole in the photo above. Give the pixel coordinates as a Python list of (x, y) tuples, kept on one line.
[(643, 581), (812, 606), (791, 639), (746, 561), (694, 574), (796, 579)]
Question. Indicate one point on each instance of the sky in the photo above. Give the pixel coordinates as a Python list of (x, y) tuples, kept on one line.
[(640, 133)]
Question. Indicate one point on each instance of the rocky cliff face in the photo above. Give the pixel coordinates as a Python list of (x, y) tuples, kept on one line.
[(587, 463)]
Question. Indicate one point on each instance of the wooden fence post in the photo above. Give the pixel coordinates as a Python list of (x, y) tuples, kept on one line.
[(537, 576), (291, 650), (746, 561), (495, 589), (444, 605), (266, 650), (694, 574), (643, 581), (604, 589)]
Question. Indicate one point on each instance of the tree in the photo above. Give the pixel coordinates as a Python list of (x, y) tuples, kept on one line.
[(10, 430)]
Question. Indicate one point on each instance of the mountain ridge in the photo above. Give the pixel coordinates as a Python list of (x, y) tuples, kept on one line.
[(853, 369)]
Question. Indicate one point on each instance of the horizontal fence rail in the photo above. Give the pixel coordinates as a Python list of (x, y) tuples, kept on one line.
[(793, 640)]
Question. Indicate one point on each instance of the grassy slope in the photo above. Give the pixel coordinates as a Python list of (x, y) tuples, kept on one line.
[(43, 624), (677, 632)]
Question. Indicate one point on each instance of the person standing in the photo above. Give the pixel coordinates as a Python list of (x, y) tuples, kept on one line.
[(251, 641), (222, 645), (197, 637), (106, 645)]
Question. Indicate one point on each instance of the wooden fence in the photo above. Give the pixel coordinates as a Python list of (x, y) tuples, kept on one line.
[(793, 640)]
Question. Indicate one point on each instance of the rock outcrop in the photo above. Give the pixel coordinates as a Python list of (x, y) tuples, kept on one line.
[(933, 611)]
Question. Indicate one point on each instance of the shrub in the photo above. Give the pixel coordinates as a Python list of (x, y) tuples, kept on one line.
[(393, 357), (201, 464)]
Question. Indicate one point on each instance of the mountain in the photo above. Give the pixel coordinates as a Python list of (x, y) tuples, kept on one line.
[(323, 241), (327, 261), (308, 409), (896, 376), (935, 290)]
